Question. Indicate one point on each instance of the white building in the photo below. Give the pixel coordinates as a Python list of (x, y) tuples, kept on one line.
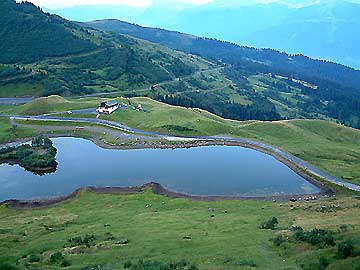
[(108, 107)]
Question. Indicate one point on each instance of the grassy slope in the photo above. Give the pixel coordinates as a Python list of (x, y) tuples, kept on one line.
[(50, 104), (7, 133), (223, 242), (21, 89), (77, 60), (331, 147)]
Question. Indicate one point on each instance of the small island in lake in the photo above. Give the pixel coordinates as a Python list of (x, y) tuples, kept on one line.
[(37, 157)]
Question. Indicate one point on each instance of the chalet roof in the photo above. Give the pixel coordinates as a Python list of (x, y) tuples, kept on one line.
[(109, 104)]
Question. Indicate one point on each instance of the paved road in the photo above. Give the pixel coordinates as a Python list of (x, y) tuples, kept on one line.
[(15, 101), (125, 128)]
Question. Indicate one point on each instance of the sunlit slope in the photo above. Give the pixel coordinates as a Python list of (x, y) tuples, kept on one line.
[(327, 145), (278, 85), (155, 228)]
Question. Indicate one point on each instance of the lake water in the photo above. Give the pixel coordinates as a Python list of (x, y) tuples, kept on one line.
[(212, 170)]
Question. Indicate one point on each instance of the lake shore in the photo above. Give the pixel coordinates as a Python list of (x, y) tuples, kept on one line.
[(325, 190), (159, 190)]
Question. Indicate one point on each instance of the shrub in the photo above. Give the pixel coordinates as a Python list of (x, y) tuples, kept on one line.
[(123, 241), (315, 237), (319, 236), (323, 263), (248, 263), (37, 141), (34, 258), (109, 236), (270, 224), (346, 249), (56, 257), (278, 240), (298, 233), (88, 240), (65, 263), (154, 265), (343, 228)]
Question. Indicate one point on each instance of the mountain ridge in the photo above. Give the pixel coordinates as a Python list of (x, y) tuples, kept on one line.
[(335, 83), (232, 81), (246, 25), (57, 56)]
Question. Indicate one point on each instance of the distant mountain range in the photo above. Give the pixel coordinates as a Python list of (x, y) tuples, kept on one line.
[(326, 30), (265, 60)]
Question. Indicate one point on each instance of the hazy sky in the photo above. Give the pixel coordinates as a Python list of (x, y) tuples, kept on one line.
[(54, 4)]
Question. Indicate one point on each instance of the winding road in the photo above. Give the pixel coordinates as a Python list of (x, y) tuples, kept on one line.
[(308, 167)]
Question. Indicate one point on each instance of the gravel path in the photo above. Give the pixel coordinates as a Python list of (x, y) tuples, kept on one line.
[(121, 127)]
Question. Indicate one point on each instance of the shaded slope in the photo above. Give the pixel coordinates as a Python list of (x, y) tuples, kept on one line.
[(43, 54), (265, 60), (27, 34)]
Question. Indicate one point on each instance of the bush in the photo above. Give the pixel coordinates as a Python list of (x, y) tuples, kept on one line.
[(346, 249), (315, 237), (65, 263), (123, 241), (56, 257), (248, 263), (278, 240), (323, 263), (344, 228), (88, 240), (319, 236), (34, 258), (154, 265), (270, 224), (298, 233)]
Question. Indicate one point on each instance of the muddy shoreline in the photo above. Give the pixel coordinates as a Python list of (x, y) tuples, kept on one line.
[(157, 189), (325, 191)]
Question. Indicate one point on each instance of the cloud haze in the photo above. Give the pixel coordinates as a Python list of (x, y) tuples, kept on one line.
[(54, 4)]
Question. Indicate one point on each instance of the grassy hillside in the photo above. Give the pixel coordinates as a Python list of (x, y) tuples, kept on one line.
[(287, 79), (47, 35), (9, 134), (55, 56), (148, 227), (237, 83), (329, 146), (254, 59), (51, 104)]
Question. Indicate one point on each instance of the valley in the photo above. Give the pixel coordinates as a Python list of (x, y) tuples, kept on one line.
[(134, 148)]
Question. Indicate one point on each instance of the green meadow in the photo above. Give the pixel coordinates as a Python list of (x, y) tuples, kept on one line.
[(153, 228)]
